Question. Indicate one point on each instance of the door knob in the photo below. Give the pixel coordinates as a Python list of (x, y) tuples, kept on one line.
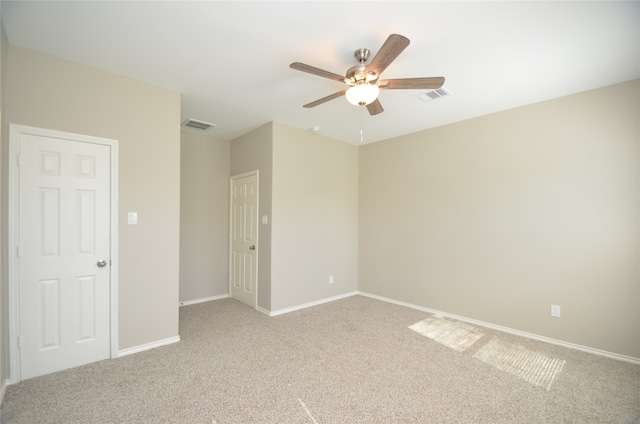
[(102, 263), (252, 248)]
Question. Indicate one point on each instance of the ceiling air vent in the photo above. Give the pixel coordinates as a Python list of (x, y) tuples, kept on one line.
[(432, 95), (198, 125)]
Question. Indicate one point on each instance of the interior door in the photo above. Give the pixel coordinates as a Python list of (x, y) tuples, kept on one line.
[(64, 246), (244, 238)]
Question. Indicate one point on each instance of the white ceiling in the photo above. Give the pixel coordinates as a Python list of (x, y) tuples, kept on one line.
[(230, 59)]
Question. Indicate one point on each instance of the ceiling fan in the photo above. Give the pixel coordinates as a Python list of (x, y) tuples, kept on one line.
[(364, 80)]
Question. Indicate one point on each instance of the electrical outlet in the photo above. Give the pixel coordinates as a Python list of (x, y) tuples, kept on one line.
[(555, 311), (331, 279)]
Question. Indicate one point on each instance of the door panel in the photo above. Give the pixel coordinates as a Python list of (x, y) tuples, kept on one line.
[(64, 230), (244, 239)]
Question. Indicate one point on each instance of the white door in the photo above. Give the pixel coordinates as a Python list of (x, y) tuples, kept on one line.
[(244, 238), (64, 246)]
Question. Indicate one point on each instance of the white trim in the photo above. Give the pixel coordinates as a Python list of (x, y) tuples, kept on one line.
[(12, 232), (263, 310), (587, 349), (12, 260), (148, 346), (255, 172), (204, 299), (5, 384), (115, 262), (308, 305)]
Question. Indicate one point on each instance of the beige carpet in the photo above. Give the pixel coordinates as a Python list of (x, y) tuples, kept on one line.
[(459, 336), (531, 366), (349, 361)]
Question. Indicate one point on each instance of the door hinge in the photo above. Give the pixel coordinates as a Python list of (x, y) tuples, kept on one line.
[(19, 342), (18, 252)]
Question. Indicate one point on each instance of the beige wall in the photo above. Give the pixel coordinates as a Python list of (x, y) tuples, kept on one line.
[(315, 217), (204, 216), (309, 191), (498, 217), (43, 91), (250, 152)]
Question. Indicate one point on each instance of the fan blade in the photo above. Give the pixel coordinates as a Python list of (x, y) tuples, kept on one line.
[(375, 107), (391, 48), (316, 71), (412, 83), (325, 99)]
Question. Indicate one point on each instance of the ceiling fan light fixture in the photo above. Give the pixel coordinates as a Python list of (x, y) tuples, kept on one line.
[(363, 81), (362, 94)]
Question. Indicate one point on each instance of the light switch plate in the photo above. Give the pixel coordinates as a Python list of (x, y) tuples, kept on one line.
[(132, 218)]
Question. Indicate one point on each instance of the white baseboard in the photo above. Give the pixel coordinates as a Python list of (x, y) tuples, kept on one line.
[(264, 311), (204, 299), (148, 346), (5, 384), (308, 305), (587, 349)]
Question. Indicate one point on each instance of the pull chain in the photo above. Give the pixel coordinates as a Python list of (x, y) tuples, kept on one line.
[(361, 124)]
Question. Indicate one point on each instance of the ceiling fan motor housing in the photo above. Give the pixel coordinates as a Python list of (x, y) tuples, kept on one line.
[(358, 73)]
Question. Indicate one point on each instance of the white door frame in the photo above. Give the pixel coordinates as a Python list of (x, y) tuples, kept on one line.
[(257, 254), (15, 131)]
